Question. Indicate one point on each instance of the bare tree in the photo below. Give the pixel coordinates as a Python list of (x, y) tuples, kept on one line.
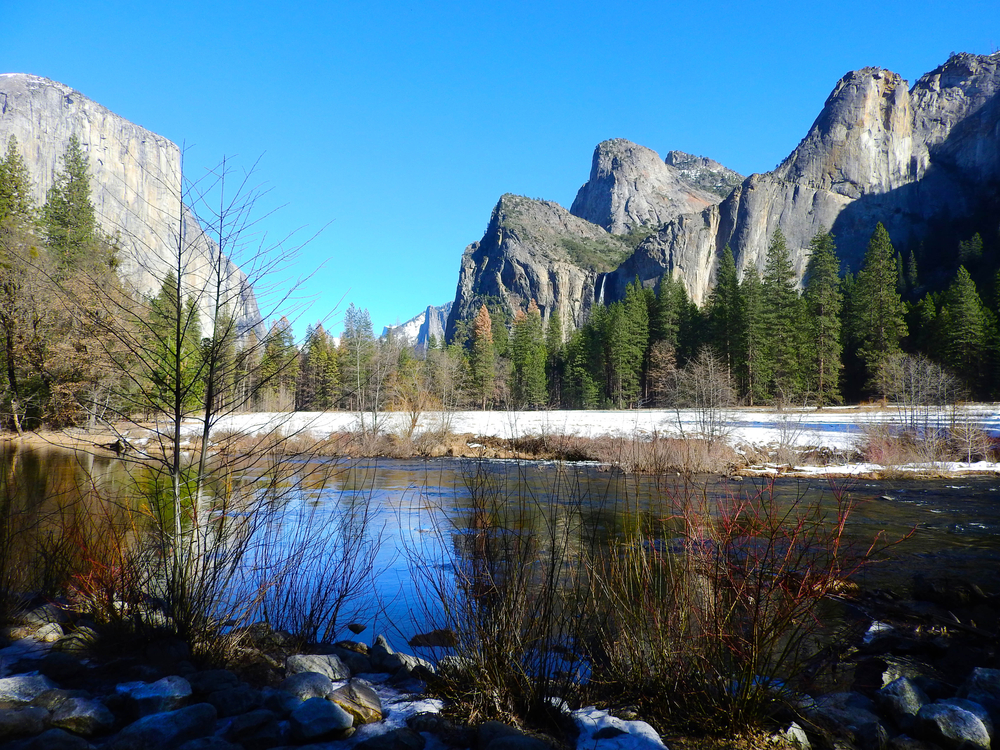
[(705, 386)]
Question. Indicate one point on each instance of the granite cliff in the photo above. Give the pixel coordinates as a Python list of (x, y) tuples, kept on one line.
[(910, 157), (136, 185), (418, 330), (535, 250)]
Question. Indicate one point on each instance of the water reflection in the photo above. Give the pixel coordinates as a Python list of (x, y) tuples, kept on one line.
[(424, 514)]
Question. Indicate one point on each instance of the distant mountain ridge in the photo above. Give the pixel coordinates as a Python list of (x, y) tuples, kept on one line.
[(417, 331), (878, 151)]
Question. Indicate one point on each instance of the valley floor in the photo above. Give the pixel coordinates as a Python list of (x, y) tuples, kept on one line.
[(839, 432)]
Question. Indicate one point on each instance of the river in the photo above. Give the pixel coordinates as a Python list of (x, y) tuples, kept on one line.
[(419, 514)]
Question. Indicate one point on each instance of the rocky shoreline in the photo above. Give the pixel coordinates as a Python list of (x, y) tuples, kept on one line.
[(923, 674)]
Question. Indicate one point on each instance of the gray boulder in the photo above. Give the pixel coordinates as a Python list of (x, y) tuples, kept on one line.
[(258, 729), (325, 664), (902, 700), (317, 720), (212, 680), (306, 685), (952, 727), (360, 701), (983, 687), (22, 722), (146, 698), (236, 700), (24, 688), (165, 731), (357, 663), (83, 716), (398, 739)]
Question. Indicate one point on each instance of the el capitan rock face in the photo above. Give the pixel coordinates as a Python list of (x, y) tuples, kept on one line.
[(135, 180), (878, 152)]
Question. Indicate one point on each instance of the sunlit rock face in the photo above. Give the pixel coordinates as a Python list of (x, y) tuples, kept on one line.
[(879, 151), (136, 189), (631, 187)]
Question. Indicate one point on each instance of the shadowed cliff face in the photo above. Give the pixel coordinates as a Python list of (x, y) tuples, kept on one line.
[(878, 151), (135, 185)]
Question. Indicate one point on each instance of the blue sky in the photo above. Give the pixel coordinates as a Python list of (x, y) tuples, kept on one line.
[(398, 125)]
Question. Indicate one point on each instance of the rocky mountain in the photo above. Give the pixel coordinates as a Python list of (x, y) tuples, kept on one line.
[(704, 173), (418, 330), (911, 157), (631, 187), (136, 186), (535, 250)]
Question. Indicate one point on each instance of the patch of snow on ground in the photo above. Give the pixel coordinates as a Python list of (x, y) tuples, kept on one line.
[(837, 428), (601, 731)]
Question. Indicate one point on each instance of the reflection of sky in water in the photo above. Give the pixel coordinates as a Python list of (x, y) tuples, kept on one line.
[(422, 506)]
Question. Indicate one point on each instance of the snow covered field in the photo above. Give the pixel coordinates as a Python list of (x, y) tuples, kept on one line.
[(836, 428)]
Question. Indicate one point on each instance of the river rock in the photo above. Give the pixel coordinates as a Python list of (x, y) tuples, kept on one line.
[(165, 731), (952, 727), (145, 698), (357, 662), (850, 716), (83, 716), (24, 688), (307, 685), (22, 722), (212, 680), (360, 701), (317, 720), (235, 700), (258, 729), (56, 739), (983, 687), (209, 743), (325, 664), (279, 701), (794, 737), (902, 700)]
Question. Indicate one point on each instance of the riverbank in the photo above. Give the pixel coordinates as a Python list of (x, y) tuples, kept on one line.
[(855, 441)]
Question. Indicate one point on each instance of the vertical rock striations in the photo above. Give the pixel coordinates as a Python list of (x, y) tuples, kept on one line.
[(136, 186), (535, 250), (631, 187)]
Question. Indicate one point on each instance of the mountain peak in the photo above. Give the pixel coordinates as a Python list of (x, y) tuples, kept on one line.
[(631, 187)]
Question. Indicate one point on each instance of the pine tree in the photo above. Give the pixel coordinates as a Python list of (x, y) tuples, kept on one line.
[(724, 312), (555, 365), (527, 348), (823, 304), (68, 218), (279, 368), (482, 360), (754, 371), (17, 215), (781, 323), (879, 323), (966, 339)]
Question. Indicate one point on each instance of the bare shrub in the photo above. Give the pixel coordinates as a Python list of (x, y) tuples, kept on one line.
[(708, 624), (705, 386)]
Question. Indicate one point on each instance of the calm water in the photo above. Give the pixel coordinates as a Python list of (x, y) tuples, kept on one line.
[(424, 512)]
